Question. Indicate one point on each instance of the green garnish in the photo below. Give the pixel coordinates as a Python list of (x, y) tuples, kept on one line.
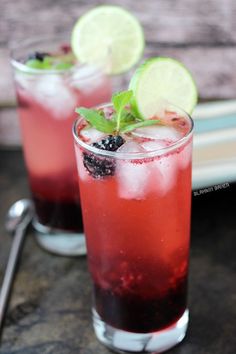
[(120, 100), (59, 62), (97, 120), (34, 64), (122, 121)]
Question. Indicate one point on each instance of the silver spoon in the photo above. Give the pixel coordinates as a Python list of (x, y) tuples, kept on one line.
[(18, 218)]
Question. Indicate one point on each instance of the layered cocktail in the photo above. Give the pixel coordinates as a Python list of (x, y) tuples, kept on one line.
[(52, 79), (50, 83), (135, 184)]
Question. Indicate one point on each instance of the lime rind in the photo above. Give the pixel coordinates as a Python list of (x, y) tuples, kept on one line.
[(162, 79), (108, 34)]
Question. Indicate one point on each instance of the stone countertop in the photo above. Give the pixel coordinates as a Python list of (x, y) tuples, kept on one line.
[(49, 310)]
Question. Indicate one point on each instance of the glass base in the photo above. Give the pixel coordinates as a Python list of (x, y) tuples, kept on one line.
[(60, 242), (122, 341)]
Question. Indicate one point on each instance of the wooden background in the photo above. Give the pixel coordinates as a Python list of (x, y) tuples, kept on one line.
[(200, 33)]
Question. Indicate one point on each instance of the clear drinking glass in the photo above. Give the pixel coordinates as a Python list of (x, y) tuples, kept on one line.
[(137, 227), (46, 104)]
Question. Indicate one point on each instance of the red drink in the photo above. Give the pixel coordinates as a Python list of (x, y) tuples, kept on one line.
[(47, 101), (137, 226), (48, 146)]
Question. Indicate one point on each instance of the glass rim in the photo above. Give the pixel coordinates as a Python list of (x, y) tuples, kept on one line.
[(133, 155), (18, 65)]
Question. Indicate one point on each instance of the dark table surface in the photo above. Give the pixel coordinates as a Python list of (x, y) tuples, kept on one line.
[(49, 310)]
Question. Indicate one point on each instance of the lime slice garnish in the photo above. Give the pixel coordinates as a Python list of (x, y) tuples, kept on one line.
[(108, 33), (162, 79)]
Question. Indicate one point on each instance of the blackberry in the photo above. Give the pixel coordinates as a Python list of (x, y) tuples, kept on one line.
[(110, 143), (99, 167), (38, 56)]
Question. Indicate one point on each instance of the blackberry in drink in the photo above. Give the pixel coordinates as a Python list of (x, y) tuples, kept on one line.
[(135, 184)]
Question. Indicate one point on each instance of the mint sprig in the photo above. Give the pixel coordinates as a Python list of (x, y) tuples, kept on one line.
[(97, 120), (120, 100), (48, 62), (122, 121)]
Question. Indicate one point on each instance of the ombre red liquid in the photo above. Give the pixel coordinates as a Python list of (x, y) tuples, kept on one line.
[(137, 226), (47, 105)]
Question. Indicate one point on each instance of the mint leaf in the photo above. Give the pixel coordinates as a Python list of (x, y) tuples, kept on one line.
[(127, 117), (34, 64), (120, 100), (62, 62), (122, 121), (145, 123), (136, 114), (97, 120)]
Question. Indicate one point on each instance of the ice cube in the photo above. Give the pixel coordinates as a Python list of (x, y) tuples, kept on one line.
[(132, 175), (165, 168), (133, 179), (25, 82), (53, 93), (153, 145), (131, 147), (165, 133), (91, 135), (86, 78), (83, 71)]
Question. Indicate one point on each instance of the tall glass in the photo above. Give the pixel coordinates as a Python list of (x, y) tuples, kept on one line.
[(137, 227), (46, 104)]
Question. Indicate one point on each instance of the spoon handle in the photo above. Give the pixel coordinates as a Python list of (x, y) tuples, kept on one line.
[(11, 266)]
